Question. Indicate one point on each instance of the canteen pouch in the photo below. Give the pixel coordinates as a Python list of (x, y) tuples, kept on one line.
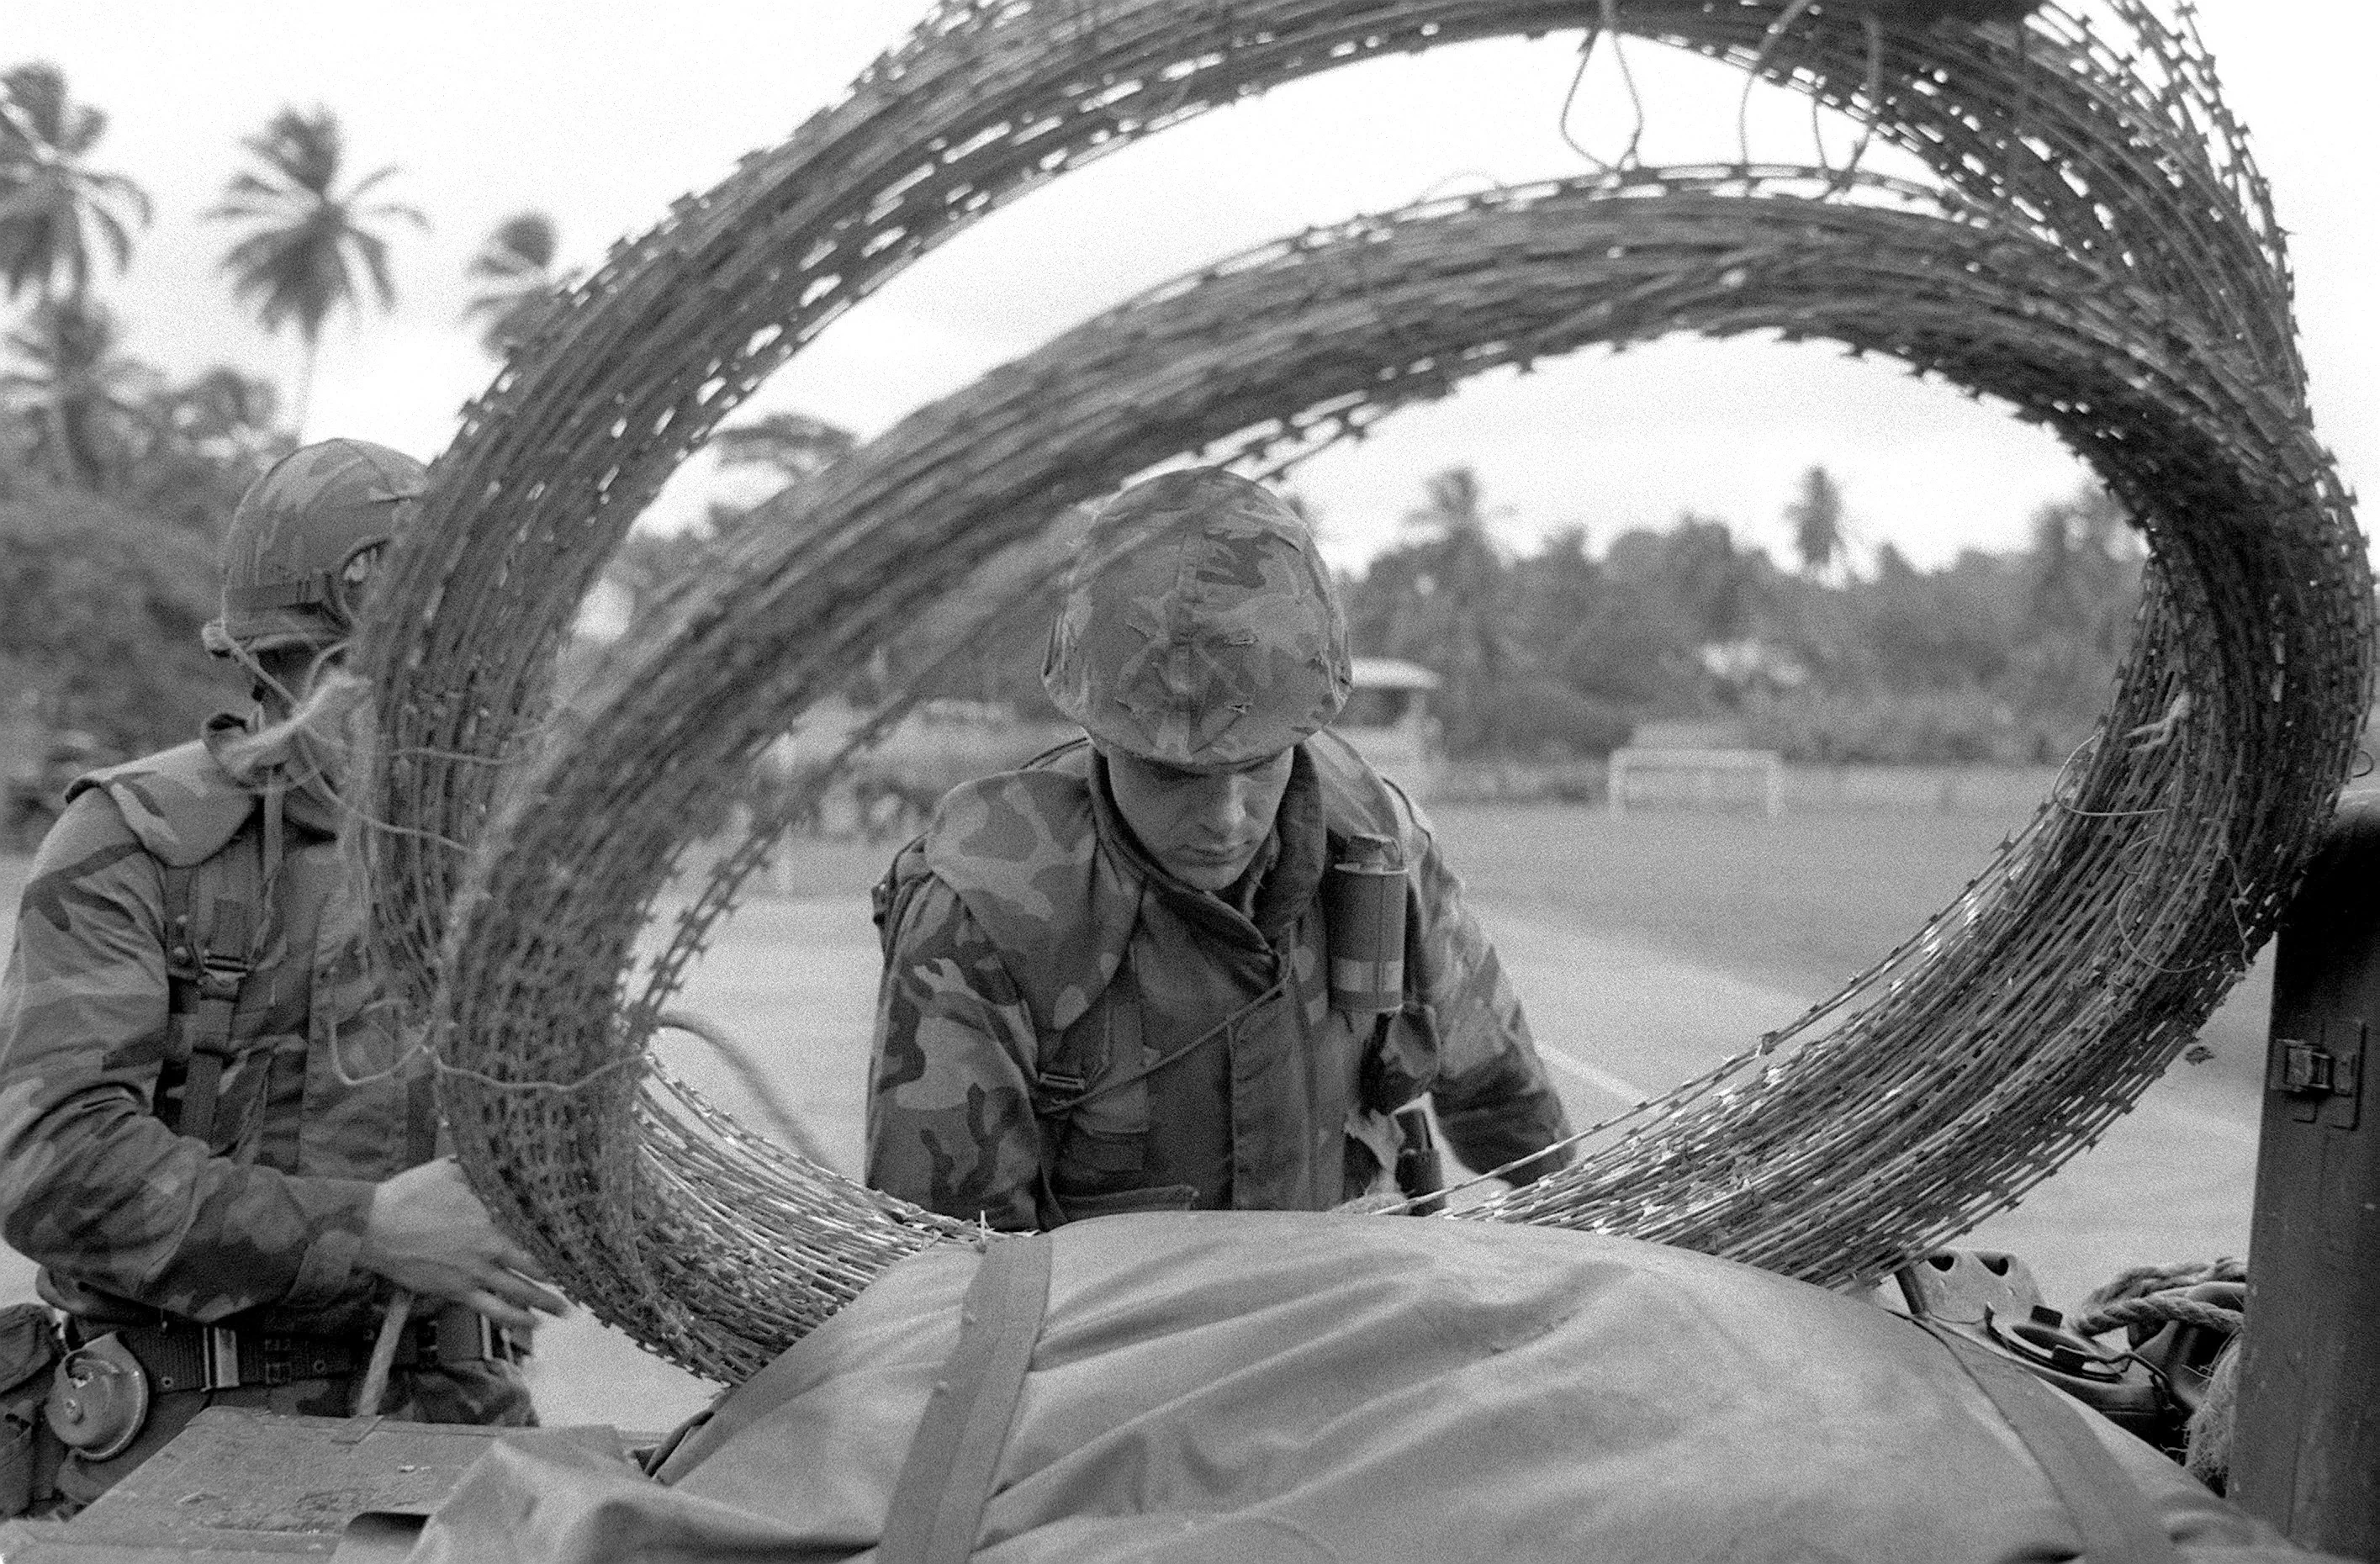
[(30, 1453), (1364, 915), (98, 1399)]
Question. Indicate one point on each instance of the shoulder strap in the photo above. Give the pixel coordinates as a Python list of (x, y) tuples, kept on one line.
[(216, 923), (1064, 1060), (1018, 851)]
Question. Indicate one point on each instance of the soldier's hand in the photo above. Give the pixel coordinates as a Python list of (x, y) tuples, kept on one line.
[(429, 1234)]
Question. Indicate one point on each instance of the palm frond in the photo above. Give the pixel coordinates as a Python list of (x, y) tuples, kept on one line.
[(396, 210), (374, 252), (356, 191), (33, 100), (245, 183), (118, 237), (52, 207), (307, 145)]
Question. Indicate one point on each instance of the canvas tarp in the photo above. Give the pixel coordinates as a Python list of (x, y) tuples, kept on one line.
[(1295, 1387)]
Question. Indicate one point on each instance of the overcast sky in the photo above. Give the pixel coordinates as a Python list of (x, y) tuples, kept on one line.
[(600, 112)]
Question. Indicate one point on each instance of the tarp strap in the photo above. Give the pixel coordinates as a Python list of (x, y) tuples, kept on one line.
[(946, 1479), (2099, 1496)]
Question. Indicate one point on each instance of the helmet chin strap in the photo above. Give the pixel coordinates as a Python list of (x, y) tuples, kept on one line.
[(300, 741), (268, 689), (263, 688)]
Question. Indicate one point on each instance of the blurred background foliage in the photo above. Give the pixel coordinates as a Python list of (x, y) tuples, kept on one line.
[(117, 482)]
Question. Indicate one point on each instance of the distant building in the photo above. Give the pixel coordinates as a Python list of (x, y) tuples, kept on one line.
[(1388, 720)]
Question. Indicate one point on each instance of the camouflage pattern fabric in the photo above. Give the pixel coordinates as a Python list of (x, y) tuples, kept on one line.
[(1199, 627), (1030, 942), (303, 540), (262, 1225)]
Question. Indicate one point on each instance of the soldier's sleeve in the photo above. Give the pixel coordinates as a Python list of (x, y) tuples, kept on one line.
[(950, 1112), (1491, 1093), (92, 1184)]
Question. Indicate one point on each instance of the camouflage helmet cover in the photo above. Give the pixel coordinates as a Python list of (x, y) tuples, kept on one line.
[(304, 540), (1200, 628)]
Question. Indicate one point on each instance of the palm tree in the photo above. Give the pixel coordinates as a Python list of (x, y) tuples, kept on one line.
[(519, 285), (79, 403), (1453, 519), (307, 237), (1816, 517), (1462, 629), (53, 207)]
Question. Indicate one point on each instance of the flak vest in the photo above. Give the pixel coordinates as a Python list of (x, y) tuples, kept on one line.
[(279, 1051), (1120, 975)]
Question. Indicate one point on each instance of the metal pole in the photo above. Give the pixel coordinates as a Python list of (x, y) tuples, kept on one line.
[(2306, 1448)]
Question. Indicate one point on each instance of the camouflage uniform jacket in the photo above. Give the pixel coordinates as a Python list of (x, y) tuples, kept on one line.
[(322, 1097), (1033, 950)]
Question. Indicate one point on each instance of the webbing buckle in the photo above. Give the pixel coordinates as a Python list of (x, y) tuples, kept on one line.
[(1056, 1094), (2320, 1079), (218, 1357), (479, 1334), (220, 978)]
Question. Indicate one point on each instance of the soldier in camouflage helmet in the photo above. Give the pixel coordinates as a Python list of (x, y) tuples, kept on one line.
[(303, 545), (1201, 631), (216, 1138), (1106, 976)]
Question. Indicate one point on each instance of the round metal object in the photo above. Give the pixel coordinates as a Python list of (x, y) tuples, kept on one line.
[(99, 1399)]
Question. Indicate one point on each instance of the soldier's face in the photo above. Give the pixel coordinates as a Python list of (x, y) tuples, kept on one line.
[(1203, 827)]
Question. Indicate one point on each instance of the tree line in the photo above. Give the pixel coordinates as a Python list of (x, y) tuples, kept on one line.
[(2000, 657), (117, 481), (1564, 652)]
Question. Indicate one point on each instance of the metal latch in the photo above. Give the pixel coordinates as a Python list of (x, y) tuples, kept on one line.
[(2306, 1067), (218, 1357), (2324, 1081)]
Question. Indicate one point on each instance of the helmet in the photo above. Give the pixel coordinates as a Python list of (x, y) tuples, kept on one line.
[(1199, 627), (304, 541)]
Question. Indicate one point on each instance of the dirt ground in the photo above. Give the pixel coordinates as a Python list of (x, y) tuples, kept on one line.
[(1647, 949)]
